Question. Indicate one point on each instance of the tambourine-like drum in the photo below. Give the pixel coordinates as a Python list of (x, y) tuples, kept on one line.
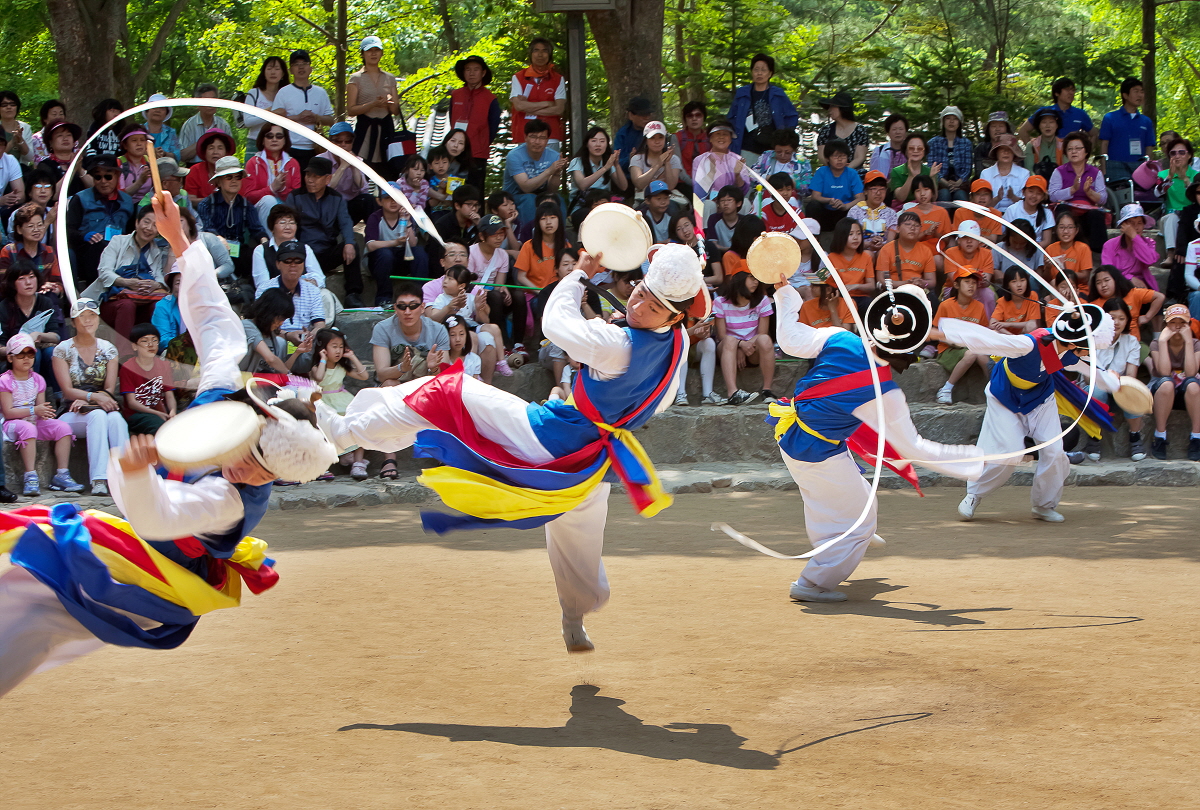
[(208, 435), (772, 255), (618, 234), (1134, 396)]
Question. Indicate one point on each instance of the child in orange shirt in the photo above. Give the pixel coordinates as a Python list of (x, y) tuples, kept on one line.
[(1070, 254), (935, 222), (915, 259), (970, 252), (981, 194), (963, 307), (853, 264), (537, 262), (1143, 303), (828, 308), (1065, 283), (1017, 312)]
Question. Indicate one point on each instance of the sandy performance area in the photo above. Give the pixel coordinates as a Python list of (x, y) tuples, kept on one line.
[(1002, 663)]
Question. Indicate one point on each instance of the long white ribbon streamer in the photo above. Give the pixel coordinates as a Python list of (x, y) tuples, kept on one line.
[(419, 217), (875, 380)]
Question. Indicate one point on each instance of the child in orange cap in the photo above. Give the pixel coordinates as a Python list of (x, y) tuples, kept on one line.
[(962, 307)]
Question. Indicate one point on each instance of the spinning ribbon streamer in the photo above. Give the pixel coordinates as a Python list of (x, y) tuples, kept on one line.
[(831, 271), (68, 276)]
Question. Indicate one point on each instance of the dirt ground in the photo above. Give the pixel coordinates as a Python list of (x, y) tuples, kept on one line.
[(1003, 663)]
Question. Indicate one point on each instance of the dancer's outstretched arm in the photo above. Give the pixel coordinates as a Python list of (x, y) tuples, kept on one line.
[(795, 338), (603, 347), (980, 339)]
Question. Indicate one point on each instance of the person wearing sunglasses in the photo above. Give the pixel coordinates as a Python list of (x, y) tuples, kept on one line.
[(271, 174), (509, 462), (194, 527), (1172, 185), (95, 215)]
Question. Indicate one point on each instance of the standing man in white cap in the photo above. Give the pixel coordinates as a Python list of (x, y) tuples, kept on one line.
[(512, 463)]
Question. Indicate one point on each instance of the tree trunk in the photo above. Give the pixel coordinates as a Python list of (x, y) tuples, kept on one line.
[(341, 48), (448, 26), (86, 33), (1149, 55), (630, 43)]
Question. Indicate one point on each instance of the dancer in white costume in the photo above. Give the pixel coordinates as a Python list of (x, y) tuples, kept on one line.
[(185, 549), (1021, 398), (831, 404), (509, 462)]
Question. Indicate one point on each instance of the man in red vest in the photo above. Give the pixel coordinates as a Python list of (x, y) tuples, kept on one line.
[(475, 110), (539, 91)]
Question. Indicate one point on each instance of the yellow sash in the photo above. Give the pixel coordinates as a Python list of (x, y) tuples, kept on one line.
[(786, 414)]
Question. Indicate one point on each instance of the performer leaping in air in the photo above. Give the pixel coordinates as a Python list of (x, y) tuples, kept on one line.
[(1024, 397), (833, 410), (509, 462), (81, 581)]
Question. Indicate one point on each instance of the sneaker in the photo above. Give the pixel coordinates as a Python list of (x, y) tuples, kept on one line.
[(504, 369), (63, 482), (876, 541), (779, 355), (741, 397), (1092, 448), (768, 395), (945, 397), (1158, 448), (279, 482), (1048, 515), (6, 496), (1075, 457), (803, 593), (967, 506), (100, 488), (576, 637), (929, 352), (358, 471), (325, 476), (352, 301), (714, 399), (33, 487), (681, 399), (1137, 449)]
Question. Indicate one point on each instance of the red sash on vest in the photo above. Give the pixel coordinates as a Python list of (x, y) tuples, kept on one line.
[(471, 107), (537, 88)]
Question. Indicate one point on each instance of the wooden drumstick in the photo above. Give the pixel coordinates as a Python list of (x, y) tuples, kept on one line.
[(153, 161)]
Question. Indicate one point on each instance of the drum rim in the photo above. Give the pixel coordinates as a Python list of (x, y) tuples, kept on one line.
[(633, 216), (766, 238), (172, 461)]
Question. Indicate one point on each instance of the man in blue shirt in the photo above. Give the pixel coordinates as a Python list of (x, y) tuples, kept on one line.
[(532, 168), (1073, 119), (1126, 139), (629, 137)]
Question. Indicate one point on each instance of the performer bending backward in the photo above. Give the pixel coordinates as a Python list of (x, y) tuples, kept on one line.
[(184, 551), (509, 462), (1022, 401), (832, 410)]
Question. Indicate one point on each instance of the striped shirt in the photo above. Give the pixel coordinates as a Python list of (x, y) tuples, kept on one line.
[(741, 322)]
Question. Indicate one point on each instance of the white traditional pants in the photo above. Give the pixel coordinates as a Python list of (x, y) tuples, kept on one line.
[(36, 631), (1004, 432), (835, 494), (379, 419)]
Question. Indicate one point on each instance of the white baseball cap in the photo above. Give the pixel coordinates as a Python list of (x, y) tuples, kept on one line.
[(969, 227), (370, 42), (655, 128)]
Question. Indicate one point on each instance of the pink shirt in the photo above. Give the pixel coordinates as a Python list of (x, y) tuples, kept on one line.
[(741, 322), (1132, 264)]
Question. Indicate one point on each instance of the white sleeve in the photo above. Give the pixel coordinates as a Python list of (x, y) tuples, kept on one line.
[(1105, 380), (604, 347), (159, 509), (258, 270), (795, 338), (981, 340), (1190, 263), (515, 88), (216, 331), (902, 434), (328, 108), (561, 92)]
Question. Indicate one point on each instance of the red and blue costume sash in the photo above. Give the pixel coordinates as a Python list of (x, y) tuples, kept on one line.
[(100, 570), (818, 422), (590, 436), (1023, 383)]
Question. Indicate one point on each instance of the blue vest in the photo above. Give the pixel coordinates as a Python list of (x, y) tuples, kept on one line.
[(1027, 368), (831, 416), (562, 429), (97, 215)]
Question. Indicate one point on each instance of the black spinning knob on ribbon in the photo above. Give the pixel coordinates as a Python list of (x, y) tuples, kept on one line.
[(898, 320)]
